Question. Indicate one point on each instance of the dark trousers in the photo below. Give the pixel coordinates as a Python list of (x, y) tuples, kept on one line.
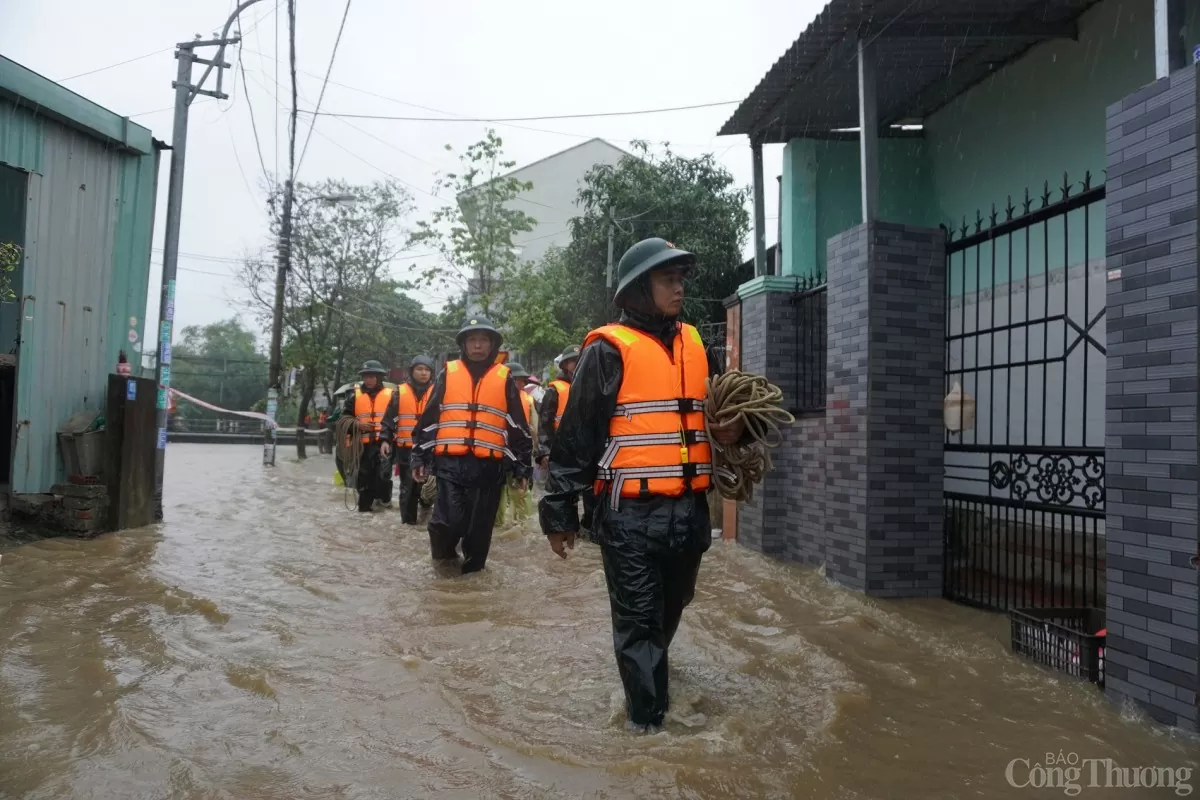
[(464, 514), (589, 511), (374, 477), (410, 491), (647, 591)]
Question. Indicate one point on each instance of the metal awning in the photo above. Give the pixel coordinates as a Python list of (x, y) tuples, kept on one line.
[(927, 53)]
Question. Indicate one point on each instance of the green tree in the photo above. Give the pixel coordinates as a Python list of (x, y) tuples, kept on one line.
[(340, 256), (10, 258), (220, 364), (474, 235), (543, 305), (692, 202)]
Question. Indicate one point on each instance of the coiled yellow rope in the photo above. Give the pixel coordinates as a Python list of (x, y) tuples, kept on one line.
[(757, 402), (349, 447), (429, 490)]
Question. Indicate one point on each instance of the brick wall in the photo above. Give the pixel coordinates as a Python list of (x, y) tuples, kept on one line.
[(1151, 445), (907, 340), (858, 489)]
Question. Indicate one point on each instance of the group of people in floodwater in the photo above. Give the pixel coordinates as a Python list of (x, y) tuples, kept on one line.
[(621, 431)]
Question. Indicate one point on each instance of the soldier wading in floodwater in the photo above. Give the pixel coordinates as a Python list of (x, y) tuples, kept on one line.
[(474, 432), (633, 431)]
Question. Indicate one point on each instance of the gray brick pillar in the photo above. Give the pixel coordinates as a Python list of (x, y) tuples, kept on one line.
[(884, 435), (768, 322), (1151, 439)]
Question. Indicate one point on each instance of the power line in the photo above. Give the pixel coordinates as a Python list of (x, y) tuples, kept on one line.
[(328, 72), (112, 66), (524, 119), (398, 101), (253, 124)]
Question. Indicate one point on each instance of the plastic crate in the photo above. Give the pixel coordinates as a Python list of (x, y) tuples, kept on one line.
[(83, 453), (1068, 640)]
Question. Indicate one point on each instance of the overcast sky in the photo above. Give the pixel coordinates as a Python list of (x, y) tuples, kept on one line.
[(476, 59)]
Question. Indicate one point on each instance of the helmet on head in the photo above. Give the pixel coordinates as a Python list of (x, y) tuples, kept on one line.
[(477, 324), (517, 370), (421, 361), (372, 367), (647, 255), (570, 354)]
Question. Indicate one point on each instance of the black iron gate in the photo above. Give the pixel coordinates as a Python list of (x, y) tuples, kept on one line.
[(1025, 359)]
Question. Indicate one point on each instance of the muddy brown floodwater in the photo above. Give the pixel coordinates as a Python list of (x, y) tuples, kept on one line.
[(267, 643)]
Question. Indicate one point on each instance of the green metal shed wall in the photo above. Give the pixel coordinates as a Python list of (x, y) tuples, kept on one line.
[(89, 221)]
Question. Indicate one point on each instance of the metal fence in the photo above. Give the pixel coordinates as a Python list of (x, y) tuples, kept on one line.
[(810, 301), (1025, 354)]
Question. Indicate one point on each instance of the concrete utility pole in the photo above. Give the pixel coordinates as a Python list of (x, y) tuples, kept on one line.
[(283, 258), (185, 93)]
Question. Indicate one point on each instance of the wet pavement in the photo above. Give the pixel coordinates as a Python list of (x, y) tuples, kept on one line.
[(265, 642)]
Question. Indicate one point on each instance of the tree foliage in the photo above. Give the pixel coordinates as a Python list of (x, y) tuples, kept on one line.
[(338, 282), (218, 363), (475, 234), (10, 259), (692, 202)]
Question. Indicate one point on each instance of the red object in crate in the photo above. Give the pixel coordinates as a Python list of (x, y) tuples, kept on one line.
[(84, 480)]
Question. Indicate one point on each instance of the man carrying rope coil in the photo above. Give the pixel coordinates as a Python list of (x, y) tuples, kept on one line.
[(374, 408), (474, 434), (633, 431)]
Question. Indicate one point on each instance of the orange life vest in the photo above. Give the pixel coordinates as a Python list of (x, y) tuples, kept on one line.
[(563, 388), (530, 407), (370, 410), (474, 416), (411, 408), (656, 439)]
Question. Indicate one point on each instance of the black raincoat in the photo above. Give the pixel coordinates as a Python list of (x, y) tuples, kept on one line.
[(375, 471), (469, 488), (651, 546), (410, 493), (547, 426)]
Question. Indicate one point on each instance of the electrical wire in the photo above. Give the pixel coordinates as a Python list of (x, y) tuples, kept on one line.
[(112, 66), (253, 123), (325, 83), (524, 119)]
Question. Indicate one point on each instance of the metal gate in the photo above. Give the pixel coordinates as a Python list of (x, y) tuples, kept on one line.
[(1025, 347)]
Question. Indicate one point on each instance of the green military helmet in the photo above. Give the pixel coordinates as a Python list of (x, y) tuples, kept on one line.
[(477, 323), (372, 367), (517, 370), (570, 354), (646, 255)]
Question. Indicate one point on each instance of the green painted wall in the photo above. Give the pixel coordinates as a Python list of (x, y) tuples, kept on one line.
[(821, 196)]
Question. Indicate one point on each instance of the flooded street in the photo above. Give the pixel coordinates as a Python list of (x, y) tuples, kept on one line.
[(265, 642)]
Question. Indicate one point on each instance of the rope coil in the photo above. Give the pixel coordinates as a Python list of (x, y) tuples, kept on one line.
[(349, 447), (758, 403)]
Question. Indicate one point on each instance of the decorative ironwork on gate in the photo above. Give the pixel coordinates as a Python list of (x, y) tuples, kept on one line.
[(1025, 408)]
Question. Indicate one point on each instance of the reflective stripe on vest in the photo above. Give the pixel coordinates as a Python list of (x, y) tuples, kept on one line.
[(474, 416), (411, 409), (370, 410), (656, 441), (563, 388)]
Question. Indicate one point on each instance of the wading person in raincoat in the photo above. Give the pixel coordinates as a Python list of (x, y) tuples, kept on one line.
[(413, 394), (374, 406), (633, 431), (474, 434), (553, 404), (518, 500)]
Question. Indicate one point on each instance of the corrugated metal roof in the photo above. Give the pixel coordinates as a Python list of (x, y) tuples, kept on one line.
[(49, 100), (927, 51)]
